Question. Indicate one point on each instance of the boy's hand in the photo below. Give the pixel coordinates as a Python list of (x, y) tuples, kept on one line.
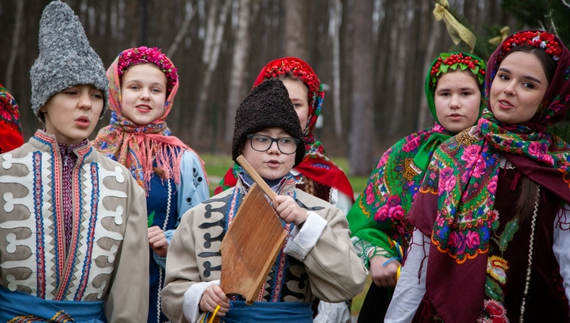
[(157, 241), (212, 297), (289, 210), (383, 276)]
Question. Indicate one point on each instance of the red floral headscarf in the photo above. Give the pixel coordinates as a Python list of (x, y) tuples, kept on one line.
[(11, 136)]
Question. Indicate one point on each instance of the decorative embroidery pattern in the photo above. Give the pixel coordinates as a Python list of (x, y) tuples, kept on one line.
[(493, 312), (281, 264), (40, 234), (493, 289), (510, 229), (410, 170), (77, 212), (43, 264), (498, 267), (86, 269), (197, 179), (59, 317)]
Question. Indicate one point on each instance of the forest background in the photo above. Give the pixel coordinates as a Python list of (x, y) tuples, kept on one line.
[(371, 55)]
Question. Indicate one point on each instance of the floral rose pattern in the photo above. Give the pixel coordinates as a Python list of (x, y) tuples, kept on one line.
[(493, 312), (388, 195)]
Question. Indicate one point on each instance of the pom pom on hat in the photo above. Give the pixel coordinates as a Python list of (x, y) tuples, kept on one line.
[(66, 59), (267, 106)]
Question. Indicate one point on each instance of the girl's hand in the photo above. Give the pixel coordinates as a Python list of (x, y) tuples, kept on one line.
[(157, 241), (383, 276), (289, 210), (212, 297)]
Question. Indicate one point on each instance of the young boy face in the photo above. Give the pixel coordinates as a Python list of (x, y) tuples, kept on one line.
[(72, 114), (271, 163)]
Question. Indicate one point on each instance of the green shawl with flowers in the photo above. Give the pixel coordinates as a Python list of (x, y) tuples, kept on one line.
[(378, 218)]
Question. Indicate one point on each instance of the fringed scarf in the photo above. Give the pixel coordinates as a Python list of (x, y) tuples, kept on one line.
[(139, 148), (394, 182), (456, 199), (315, 165)]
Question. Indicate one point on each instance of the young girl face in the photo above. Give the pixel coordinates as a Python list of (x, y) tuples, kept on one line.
[(457, 100), (518, 88), (299, 95), (143, 90), (272, 163), (72, 114)]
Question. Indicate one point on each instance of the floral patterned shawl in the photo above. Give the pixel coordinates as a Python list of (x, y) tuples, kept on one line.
[(455, 204), (378, 216), (315, 165), (139, 148), (11, 136)]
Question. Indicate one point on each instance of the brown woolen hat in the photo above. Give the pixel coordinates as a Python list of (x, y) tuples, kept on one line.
[(267, 106)]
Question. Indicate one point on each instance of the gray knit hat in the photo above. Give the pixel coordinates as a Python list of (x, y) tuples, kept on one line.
[(66, 59), (268, 105)]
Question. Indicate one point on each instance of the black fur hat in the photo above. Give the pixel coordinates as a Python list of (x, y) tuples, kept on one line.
[(267, 106)]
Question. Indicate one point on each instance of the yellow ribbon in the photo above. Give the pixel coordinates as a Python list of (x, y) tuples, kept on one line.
[(212, 318), (499, 39), (456, 30), (214, 314)]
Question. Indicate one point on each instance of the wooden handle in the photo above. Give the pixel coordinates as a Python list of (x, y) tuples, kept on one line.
[(256, 178)]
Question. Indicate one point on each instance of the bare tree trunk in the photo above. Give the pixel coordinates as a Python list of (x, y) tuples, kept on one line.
[(144, 22), (296, 16), (334, 30), (183, 29), (212, 64), (425, 119), (210, 32), (15, 44), (360, 150), (399, 37), (239, 60)]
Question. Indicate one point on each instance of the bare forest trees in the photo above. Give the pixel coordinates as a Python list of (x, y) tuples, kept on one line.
[(335, 21), (296, 18), (210, 57), (239, 60), (15, 44), (372, 54), (360, 156)]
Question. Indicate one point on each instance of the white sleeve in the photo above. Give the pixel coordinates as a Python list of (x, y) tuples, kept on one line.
[(192, 297), (561, 245), (301, 241), (409, 290), (340, 200), (333, 313)]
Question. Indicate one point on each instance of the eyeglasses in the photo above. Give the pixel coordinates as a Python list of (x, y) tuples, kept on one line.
[(286, 145)]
